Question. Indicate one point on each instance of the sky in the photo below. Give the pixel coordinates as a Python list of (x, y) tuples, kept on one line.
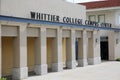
[(77, 1)]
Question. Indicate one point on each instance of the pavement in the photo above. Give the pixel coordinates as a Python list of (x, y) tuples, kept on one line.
[(105, 71)]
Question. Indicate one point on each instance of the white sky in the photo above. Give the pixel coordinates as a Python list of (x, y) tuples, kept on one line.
[(77, 1)]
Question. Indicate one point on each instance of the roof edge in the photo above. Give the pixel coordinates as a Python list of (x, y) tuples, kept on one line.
[(102, 9)]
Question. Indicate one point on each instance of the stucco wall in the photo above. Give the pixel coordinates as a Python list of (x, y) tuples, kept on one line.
[(0, 6), (109, 18), (7, 55), (64, 51), (117, 45), (30, 53), (22, 8), (117, 14), (49, 52)]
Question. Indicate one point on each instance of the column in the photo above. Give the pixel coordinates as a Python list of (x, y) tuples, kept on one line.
[(114, 45), (0, 54), (20, 70), (40, 53), (82, 49), (94, 48), (57, 64), (70, 51), (111, 42), (117, 45)]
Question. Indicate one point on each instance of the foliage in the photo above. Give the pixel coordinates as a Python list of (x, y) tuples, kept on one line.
[(3, 79), (118, 59)]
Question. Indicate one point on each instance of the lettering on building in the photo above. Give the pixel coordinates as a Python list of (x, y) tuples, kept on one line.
[(69, 20)]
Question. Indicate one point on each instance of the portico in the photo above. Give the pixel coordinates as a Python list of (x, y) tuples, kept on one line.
[(29, 50)]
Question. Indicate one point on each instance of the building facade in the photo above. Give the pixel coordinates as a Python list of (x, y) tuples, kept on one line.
[(39, 36), (102, 12)]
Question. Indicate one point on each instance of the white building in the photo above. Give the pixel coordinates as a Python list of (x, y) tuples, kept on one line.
[(107, 11), (39, 36)]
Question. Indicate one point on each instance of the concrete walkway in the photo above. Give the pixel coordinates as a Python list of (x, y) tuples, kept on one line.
[(103, 71)]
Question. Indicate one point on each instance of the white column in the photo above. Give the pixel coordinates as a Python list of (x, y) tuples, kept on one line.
[(114, 45), (70, 52), (117, 45), (20, 70), (111, 42), (83, 49), (0, 54), (94, 49), (40, 53), (57, 64)]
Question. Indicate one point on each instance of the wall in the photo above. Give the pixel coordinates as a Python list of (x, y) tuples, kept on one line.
[(7, 55), (0, 6), (49, 52), (30, 53), (109, 18), (64, 51), (117, 45), (117, 14), (22, 8), (114, 45)]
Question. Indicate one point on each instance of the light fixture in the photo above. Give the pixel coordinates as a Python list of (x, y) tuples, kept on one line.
[(96, 40), (117, 41)]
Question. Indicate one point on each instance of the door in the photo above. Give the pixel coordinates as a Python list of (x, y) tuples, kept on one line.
[(104, 50)]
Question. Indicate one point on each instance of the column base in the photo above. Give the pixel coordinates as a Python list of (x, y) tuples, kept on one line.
[(71, 64), (56, 67), (41, 69), (20, 73), (93, 61), (82, 62)]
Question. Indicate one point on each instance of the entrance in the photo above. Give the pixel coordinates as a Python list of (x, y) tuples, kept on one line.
[(104, 50), (76, 49)]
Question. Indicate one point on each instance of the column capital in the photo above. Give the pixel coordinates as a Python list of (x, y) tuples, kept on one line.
[(42, 29), (84, 33), (95, 32)]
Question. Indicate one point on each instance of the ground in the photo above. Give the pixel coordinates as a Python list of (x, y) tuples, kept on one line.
[(104, 71)]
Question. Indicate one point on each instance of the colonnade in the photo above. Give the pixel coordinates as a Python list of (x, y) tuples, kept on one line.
[(88, 48)]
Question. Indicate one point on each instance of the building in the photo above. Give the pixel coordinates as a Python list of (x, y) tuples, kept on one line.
[(106, 11), (39, 36)]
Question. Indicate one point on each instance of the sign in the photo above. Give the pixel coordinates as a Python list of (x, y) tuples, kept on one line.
[(69, 20)]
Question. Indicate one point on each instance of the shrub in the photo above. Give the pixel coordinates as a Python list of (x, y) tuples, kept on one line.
[(3, 79), (118, 59)]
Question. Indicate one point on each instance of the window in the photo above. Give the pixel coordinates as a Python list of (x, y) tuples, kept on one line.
[(101, 18), (92, 18)]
